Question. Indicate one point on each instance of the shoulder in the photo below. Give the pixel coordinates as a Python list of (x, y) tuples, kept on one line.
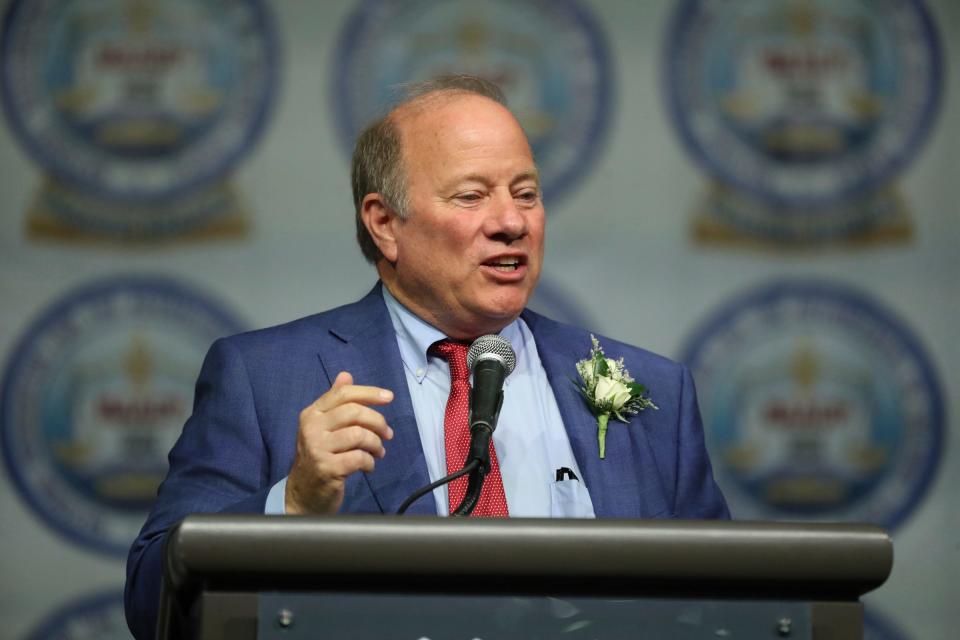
[(575, 342), (308, 334)]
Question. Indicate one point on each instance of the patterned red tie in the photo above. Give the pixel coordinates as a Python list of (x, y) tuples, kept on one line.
[(456, 435)]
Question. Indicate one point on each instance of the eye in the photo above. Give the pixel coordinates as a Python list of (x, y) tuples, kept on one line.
[(468, 197), (528, 196)]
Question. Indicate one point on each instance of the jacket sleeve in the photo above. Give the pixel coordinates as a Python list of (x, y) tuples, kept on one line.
[(219, 464), (697, 495)]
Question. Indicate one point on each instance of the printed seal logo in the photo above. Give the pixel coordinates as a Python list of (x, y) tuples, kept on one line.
[(817, 404), (803, 111), (136, 109), (550, 59), (95, 395), (94, 617)]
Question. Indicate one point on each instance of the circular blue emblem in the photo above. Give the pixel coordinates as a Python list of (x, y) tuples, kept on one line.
[(94, 396), (98, 616), (803, 103), (136, 100), (818, 404), (551, 60)]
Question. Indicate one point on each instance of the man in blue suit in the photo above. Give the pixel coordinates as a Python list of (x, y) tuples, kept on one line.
[(345, 411)]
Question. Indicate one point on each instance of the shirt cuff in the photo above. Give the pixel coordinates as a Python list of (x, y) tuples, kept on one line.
[(276, 499)]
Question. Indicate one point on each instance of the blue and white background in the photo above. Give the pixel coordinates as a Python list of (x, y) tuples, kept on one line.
[(766, 190)]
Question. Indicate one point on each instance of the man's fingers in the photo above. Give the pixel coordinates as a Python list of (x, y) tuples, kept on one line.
[(347, 392), (355, 460), (349, 415), (351, 438), (343, 378)]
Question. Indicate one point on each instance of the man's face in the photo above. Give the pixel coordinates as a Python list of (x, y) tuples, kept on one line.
[(468, 255)]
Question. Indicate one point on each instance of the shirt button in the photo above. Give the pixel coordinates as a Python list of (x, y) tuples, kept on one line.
[(419, 372)]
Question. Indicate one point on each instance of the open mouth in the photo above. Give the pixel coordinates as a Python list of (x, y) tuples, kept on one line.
[(505, 265)]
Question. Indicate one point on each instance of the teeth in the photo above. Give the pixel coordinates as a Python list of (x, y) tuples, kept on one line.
[(506, 265)]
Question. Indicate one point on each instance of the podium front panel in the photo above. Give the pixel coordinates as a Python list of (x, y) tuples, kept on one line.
[(365, 616)]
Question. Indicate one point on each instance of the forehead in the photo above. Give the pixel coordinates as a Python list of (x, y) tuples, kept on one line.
[(438, 103), (458, 123)]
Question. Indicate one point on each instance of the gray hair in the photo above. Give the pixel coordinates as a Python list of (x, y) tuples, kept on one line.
[(377, 165)]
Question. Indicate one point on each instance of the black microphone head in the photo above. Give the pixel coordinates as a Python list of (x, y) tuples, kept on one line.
[(492, 346)]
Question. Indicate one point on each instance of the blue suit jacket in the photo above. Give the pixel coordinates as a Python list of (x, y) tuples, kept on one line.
[(241, 437)]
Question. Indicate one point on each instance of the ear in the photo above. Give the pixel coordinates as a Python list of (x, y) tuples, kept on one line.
[(380, 221)]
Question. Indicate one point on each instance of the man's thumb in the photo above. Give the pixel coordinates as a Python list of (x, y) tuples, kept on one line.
[(343, 378)]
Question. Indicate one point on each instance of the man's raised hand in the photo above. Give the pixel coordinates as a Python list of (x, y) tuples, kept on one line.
[(339, 434)]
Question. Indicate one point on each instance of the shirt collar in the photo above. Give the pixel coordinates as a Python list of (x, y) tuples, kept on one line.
[(415, 335)]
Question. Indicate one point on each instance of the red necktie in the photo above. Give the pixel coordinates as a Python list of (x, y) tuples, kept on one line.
[(456, 435)]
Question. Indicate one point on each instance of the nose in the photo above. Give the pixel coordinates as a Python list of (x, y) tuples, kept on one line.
[(506, 221)]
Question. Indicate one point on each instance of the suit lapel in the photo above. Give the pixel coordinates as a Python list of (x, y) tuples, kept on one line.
[(363, 342), (625, 484)]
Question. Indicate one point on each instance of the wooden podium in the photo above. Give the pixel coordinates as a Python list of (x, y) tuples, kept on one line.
[(362, 577)]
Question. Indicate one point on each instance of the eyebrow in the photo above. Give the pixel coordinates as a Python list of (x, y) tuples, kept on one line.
[(529, 175), (476, 177)]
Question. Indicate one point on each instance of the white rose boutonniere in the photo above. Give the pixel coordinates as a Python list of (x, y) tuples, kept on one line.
[(609, 390)]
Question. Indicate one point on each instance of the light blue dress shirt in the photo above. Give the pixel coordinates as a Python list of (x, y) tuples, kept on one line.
[(530, 439)]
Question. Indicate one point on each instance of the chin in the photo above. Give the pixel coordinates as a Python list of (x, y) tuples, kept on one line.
[(498, 307), (505, 311)]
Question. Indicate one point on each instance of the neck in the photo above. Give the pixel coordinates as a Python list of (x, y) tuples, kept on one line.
[(466, 331)]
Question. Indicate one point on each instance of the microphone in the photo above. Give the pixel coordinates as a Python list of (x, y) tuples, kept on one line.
[(491, 359)]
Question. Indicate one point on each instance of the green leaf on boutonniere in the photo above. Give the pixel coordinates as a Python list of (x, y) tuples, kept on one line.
[(602, 368), (636, 389)]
